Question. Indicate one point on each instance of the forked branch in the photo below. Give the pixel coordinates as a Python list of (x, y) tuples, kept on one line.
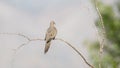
[(29, 40)]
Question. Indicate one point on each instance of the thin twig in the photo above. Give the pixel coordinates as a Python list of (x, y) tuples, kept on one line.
[(102, 24), (15, 52), (101, 40), (21, 46), (37, 39), (76, 51), (29, 40), (18, 34)]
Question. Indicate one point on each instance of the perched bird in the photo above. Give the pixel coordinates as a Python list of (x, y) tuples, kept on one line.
[(50, 35)]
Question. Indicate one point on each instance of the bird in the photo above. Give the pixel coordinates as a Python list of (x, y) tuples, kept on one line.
[(50, 35)]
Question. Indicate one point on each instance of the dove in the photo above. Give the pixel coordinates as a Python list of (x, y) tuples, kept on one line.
[(50, 35)]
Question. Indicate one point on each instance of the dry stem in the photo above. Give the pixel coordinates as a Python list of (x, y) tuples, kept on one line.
[(102, 37)]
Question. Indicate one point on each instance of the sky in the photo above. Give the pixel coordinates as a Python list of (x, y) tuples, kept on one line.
[(74, 22)]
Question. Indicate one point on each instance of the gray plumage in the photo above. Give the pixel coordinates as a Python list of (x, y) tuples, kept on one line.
[(50, 35)]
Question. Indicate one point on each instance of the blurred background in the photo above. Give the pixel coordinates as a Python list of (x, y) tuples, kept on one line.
[(111, 55), (76, 21)]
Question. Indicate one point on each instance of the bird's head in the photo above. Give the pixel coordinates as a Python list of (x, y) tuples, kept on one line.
[(52, 23)]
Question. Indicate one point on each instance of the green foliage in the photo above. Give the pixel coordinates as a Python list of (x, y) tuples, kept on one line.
[(111, 55)]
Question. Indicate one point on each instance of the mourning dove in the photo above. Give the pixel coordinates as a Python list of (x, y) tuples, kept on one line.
[(50, 35)]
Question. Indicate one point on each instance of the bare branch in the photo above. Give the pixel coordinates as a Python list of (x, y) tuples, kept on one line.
[(29, 40), (15, 52), (21, 46), (76, 51), (18, 34), (37, 39)]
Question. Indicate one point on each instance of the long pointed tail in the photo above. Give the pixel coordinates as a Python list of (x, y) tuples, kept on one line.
[(47, 46)]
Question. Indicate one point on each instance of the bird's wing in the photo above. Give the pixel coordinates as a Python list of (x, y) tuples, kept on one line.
[(51, 33)]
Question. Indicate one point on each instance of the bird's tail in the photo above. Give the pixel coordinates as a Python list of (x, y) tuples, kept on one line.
[(47, 46)]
